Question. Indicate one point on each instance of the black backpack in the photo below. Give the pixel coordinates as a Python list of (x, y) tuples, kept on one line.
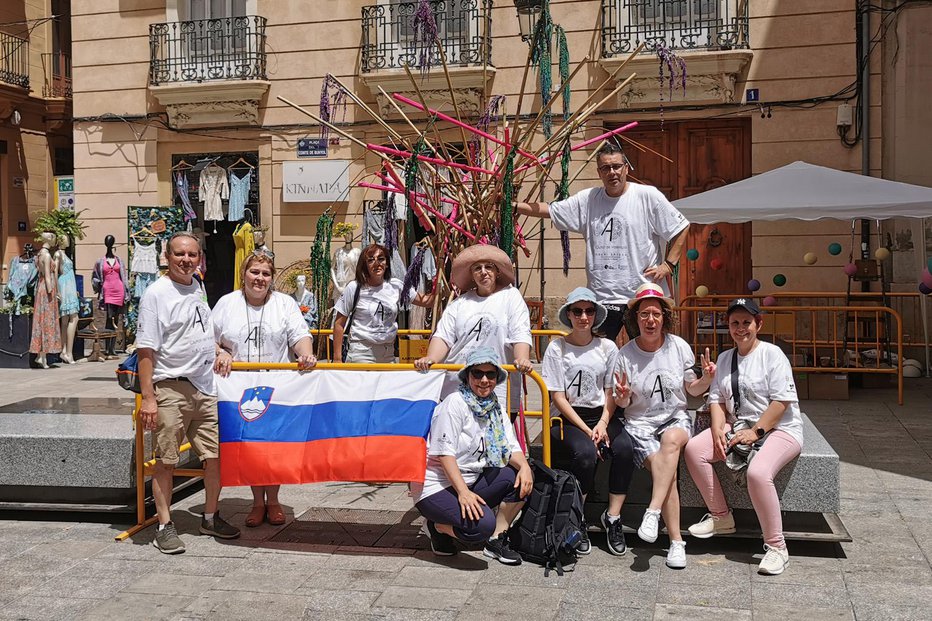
[(549, 529)]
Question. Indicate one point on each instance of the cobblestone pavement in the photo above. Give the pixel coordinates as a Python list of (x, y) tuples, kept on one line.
[(70, 567)]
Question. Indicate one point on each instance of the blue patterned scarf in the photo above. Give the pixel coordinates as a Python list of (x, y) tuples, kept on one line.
[(486, 410)]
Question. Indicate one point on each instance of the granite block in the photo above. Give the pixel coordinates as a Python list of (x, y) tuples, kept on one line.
[(809, 483), (137, 606)]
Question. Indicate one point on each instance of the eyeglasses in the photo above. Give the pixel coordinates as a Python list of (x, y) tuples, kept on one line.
[(645, 315), (488, 267), (579, 312), (374, 260), (611, 167), (477, 374)]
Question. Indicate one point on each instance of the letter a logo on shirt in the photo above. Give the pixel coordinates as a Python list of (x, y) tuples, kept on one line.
[(609, 228), (477, 329), (577, 383), (380, 313), (198, 319), (658, 387)]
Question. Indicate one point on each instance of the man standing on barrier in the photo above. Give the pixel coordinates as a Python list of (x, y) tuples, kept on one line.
[(176, 349), (626, 227)]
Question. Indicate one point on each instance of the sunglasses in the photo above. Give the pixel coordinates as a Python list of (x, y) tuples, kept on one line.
[(611, 167), (579, 312), (477, 374)]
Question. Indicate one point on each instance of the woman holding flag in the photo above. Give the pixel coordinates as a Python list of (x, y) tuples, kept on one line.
[(256, 324), (474, 464)]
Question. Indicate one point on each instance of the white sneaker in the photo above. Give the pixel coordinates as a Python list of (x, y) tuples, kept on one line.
[(711, 525), (647, 531), (774, 562), (676, 555)]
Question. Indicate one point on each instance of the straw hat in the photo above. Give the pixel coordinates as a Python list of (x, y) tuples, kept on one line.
[(582, 294), (648, 291), (461, 274)]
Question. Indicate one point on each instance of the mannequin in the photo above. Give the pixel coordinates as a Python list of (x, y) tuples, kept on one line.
[(68, 299), (110, 284), (46, 332), (306, 302), (343, 266), (258, 237)]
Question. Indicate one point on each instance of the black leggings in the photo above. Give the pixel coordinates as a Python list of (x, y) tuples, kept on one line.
[(577, 450)]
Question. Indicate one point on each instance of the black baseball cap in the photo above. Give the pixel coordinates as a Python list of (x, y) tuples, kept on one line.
[(746, 304)]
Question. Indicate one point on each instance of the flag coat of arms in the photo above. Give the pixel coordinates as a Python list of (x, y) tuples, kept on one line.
[(284, 427)]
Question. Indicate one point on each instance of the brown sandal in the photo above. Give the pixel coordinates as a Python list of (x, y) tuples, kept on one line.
[(255, 516), (275, 515)]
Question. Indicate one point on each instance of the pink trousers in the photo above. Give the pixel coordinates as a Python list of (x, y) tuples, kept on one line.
[(779, 449)]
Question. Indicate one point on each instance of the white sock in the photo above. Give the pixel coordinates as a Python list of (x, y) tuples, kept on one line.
[(162, 526), (208, 516), (612, 518)]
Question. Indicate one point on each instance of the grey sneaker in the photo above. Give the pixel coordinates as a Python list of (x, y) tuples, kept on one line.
[(167, 540), (218, 527)]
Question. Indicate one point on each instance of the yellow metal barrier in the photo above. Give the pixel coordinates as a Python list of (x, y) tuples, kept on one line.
[(146, 468)]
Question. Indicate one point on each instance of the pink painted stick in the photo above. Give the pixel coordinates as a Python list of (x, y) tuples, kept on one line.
[(422, 204), (422, 218), (585, 143), (425, 158), (450, 119), (443, 199)]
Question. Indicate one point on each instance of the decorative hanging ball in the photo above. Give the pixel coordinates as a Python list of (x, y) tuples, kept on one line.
[(770, 301), (779, 280), (923, 289), (929, 264), (753, 285), (851, 269), (926, 278), (692, 254), (716, 264), (702, 291), (834, 248), (881, 254), (810, 258)]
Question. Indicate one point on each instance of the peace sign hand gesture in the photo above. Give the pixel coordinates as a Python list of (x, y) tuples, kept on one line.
[(622, 390), (708, 367)]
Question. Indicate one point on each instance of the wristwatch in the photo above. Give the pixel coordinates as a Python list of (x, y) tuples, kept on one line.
[(760, 432)]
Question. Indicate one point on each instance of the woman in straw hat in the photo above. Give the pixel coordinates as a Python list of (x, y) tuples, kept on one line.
[(578, 371), (653, 374), (489, 312)]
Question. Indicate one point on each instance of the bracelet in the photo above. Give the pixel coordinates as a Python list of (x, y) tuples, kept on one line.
[(670, 263)]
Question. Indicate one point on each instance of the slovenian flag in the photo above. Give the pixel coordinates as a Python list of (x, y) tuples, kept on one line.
[(285, 427)]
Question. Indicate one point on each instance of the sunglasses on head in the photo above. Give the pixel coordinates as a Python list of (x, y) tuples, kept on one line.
[(579, 312), (478, 374)]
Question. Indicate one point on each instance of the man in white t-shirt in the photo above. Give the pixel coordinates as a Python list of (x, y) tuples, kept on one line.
[(176, 349), (633, 234)]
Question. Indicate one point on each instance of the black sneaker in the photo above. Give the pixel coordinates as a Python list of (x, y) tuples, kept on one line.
[(614, 535), (440, 543), (498, 548), (584, 546), (218, 527)]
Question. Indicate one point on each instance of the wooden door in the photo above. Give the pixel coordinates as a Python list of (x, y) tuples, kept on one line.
[(706, 155)]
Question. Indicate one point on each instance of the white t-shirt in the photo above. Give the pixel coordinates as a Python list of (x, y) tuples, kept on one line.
[(656, 380), (258, 333), (376, 317), (455, 431), (764, 376), (582, 373), (174, 322), (624, 235)]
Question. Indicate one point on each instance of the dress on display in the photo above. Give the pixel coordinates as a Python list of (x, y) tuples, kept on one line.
[(67, 288), (310, 302), (145, 267), (46, 333), (344, 268), (181, 186), (212, 189), (113, 290), (239, 196), (245, 244), (23, 275)]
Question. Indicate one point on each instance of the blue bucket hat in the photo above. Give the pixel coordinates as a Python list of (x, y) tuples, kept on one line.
[(582, 294), (482, 355)]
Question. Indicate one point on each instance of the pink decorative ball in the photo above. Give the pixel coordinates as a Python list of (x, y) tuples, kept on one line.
[(927, 278), (851, 269), (770, 301)]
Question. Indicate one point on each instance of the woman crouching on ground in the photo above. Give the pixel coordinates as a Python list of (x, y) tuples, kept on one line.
[(765, 406), (474, 464), (655, 371), (577, 369)]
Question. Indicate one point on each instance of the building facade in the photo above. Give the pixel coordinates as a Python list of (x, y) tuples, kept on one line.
[(165, 88)]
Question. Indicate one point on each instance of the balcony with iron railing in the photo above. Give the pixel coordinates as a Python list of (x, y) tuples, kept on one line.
[(391, 42), (57, 68), (675, 24), (710, 36), (209, 71), (14, 60)]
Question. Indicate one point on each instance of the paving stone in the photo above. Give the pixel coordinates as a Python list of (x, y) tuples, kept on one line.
[(663, 612), (262, 582), (490, 601), (814, 572), (136, 606), (709, 568), (424, 598), (723, 595), (867, 611), (243, 606), (349, 579), (782, 612), (44, 608), (798, 595), (585, 612), (437, 577), (159, 583), (338, 599)]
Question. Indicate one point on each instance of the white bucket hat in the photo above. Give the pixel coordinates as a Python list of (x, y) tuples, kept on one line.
[(582, 294)]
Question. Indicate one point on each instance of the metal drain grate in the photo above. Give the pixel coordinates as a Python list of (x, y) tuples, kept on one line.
[(367, 528)]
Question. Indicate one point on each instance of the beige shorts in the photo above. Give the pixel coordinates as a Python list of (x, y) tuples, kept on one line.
[(184, 411)]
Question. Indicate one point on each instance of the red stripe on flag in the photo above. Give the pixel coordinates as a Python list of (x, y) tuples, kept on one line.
[(367, 458)]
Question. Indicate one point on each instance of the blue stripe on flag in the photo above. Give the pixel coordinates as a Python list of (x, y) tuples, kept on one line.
[(321, 421)]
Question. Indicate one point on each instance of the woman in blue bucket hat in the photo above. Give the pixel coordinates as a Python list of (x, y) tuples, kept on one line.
[(577, 369)]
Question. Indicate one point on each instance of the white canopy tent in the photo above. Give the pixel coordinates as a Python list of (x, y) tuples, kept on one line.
[(802, 191)]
